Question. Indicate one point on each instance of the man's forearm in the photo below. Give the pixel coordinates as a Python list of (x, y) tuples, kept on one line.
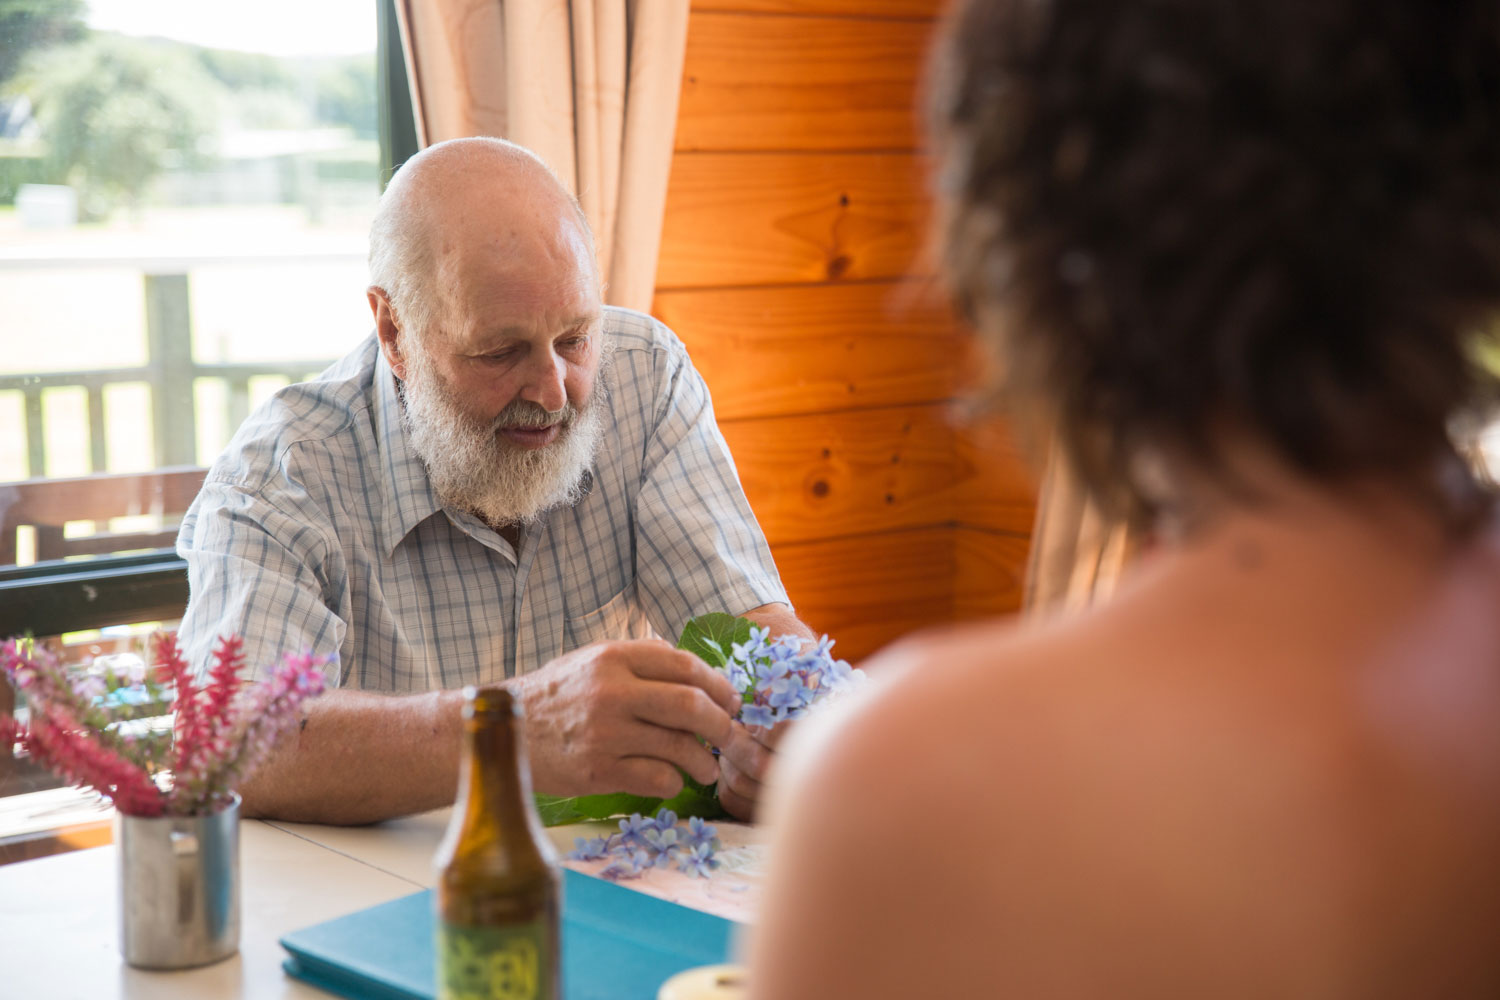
[(780, 619), (359, 757)]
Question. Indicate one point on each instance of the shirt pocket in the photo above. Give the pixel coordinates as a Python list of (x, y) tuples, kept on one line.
[(621, 617)]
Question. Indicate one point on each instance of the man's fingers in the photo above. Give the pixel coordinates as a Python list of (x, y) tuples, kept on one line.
[(677, 748), (735, 804), (682, 708), (738, 780), (655, 660), (647, 776), (746, 753), (768, 736)]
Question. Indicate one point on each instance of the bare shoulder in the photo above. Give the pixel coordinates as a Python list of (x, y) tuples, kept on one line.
[(1199, 782), (885, 815)]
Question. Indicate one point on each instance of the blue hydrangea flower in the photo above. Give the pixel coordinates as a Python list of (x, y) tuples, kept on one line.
[(627, 866), (782, 680), (698, 862), (661, 840), (700, 832), (589, 850), (635, 826), (757, 715), (643, 844), (789, 692)]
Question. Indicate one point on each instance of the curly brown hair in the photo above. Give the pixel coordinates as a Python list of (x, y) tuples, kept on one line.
[(1173, 217)]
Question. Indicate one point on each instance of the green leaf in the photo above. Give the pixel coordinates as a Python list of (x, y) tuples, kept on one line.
[(695, 799), (559, 811), (710, 637)]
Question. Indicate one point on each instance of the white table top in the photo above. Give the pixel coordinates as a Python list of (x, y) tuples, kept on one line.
[(59, 922)]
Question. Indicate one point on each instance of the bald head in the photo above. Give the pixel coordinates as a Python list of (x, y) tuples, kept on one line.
[(471, 209)]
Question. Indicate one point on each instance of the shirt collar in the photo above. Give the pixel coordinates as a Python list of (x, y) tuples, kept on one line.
[(409, 496)]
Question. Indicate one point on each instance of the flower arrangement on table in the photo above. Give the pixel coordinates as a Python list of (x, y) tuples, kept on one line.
[(93, 728), (778, 681)]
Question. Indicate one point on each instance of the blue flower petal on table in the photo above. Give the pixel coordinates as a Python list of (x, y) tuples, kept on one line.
[(635, 825), (699, 861), (626, 865), (661, 840), (700, 832), (589, 850)]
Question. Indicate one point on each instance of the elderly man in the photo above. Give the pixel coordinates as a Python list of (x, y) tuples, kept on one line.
[(509, 482)]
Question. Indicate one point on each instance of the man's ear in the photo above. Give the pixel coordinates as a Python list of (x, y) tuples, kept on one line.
[(387, 330)]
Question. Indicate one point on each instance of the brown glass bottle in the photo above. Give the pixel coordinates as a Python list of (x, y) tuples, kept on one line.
[(499, 888)]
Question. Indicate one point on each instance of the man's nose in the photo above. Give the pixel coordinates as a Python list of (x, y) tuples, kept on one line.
[(545, 382)]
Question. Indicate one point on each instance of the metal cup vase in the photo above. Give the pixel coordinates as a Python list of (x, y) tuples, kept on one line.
[(179, 888)]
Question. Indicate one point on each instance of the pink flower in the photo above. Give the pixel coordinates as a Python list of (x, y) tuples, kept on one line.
[(92, 731)]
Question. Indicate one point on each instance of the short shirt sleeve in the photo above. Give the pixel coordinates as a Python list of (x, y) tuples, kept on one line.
[(258, 572), (699, 546)]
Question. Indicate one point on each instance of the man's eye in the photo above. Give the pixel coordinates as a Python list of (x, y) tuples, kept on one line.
[(575, 343)]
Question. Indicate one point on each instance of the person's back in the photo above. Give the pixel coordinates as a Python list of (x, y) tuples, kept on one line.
[(1269, 765)]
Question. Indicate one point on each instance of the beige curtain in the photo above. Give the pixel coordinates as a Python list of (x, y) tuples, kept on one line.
[(1077, 555), (590, 86)]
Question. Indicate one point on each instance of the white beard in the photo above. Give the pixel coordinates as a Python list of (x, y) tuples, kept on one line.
[(473, 468)]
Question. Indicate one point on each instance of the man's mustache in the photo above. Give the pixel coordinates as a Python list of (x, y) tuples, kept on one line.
[(525, 413)]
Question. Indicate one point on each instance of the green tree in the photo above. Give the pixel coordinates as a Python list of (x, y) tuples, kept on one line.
[(115, 112), (347, 95), (28, 25)]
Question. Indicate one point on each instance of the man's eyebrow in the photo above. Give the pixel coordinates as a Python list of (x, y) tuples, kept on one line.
[(521, 332)]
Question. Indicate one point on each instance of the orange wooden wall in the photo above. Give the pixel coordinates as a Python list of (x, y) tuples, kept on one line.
[(794, 266)]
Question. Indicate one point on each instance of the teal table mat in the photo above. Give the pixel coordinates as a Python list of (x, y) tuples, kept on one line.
[(617, 944)]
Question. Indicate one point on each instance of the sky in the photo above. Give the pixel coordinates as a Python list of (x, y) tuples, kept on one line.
[(277, 27)]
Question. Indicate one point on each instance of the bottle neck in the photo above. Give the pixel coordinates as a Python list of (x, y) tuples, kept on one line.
[(494, 779)]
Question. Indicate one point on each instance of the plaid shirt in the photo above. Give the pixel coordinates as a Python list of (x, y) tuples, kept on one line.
[(318, 529)]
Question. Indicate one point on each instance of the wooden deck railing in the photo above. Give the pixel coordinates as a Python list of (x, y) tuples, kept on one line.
[(170, 370), (49, 505)]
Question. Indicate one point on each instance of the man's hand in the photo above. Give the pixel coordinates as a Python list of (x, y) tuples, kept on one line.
[(747, 756), (622, 717), (743, 762)]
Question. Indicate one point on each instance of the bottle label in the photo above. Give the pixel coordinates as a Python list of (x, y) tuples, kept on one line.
[(493, 963)]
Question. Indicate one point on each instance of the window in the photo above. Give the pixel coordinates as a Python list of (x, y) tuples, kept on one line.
[(185, 196), (185, 191)]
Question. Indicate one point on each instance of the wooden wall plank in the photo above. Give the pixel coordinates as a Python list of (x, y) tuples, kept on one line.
[(847, 473), (996, 477), (989, 571), (789, 248), (780, 83), (866, 471), (868, 591), (804, 348), (848, 8), (791, 218)]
